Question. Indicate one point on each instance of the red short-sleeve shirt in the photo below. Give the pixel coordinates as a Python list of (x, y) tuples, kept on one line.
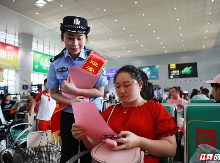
[(150, 120)]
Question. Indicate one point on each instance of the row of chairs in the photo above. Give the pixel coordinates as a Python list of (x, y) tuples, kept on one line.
[(197, 101), (201, 126)]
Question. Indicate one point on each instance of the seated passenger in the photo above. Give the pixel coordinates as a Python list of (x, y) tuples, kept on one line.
[(215, 84), (194, 92), (175, 94), (203, 96), (142, 123)]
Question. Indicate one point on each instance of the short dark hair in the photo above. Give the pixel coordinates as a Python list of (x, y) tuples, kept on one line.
[(155, 89), (45, 81), (159, 88), (205, 91), (7, 94), (176, 88), (194, 92), (33, 94), (201, 88), (215, 85)]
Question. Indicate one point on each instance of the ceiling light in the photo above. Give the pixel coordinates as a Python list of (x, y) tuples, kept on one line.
[(128, 51), (205, 37), (143, 14), (37, 13), (166, 51), (123, 48), (135, 2), (110, 38), (118, 56), (203, 46), (141, 45), (91, 42), (161, 43), (175, 8), (207, 23), (91, 25), (136, 40), (213, 0), (181, 34), (183, 45), (158, 38), (107, 50), (154, 31), (61, 5), (113, 53), (115, 20), (148, 24), (210, 13), (184, 49), (182, 40), (124, 28), (40, 3), (145, 49), (49, 0), (130, 35), (104, 10), (163, 47), (179, 27), (207, 31), (177, 19)]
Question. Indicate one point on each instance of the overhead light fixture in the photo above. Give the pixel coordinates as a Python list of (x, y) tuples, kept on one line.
[(129, 51), (115, 20), (179, 27), (207, 23), (141, 45), (124, 28), (130, 35), (177, 19), (213, 0), (154, 31), (145, 49), (104, 10), (205, 37), (175, 8), (49, 0), (143, 14), (163, 47), (210, 13), (37, 13), (136, 40), (40, 3), (135, 2), (207, 31), (158, 38), (148, 24), (203, 46)]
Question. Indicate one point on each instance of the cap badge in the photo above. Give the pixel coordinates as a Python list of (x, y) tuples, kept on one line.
[(76, 21)]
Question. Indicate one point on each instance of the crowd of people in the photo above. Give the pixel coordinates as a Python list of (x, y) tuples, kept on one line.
[(140, 103)]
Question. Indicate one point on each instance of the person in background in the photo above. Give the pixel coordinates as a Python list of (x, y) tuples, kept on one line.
[(203, 95), (215, 84), (31, 98), (194, 92), (175, 93), (201, 88), (159, 95), (46, 108), (110, 98), (155, 94), (169, 93), (107, 98), (113, 98), (6, 106), (130, 118), (181, 93), (1, 98), (211, 97)]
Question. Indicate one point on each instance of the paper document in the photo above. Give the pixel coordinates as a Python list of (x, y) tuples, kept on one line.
[(88, 117), (81, 79), (177, 102)]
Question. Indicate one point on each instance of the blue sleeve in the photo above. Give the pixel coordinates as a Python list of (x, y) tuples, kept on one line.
[(102, 81), (52, 81)]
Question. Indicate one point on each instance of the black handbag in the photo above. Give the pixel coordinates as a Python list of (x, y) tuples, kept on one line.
[(50, 153)]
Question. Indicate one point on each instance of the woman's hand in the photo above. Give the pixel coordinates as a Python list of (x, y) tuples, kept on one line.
[(31, 112), (68, 87), (78, 132), (78, 99), (130, 141)]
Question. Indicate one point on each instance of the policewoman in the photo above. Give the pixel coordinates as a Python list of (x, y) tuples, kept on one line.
[(74, 34)]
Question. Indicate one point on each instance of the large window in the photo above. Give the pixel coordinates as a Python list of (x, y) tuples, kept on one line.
[(44, 49), (9, 38), (38, 78), (9, 80)]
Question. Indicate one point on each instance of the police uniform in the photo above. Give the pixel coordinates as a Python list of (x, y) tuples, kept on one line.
[(59, 70)]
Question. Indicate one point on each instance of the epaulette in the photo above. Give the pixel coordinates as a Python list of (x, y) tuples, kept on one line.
[(88, 51), (57, 56)]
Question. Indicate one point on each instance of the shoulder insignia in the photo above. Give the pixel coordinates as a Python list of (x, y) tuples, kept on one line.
[(57, 56)]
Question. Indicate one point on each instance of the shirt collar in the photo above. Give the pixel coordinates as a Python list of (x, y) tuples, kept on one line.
[(81, 55)]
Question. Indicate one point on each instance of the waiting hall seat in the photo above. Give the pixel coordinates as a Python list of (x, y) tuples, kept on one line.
[(164, 101), (202, 101), (201, 126), (18, 136)]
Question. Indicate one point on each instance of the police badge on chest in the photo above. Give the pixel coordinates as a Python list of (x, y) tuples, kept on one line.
[(62, 69)]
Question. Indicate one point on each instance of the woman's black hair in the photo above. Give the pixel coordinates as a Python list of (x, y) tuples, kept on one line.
[(137, 75), (194, 92), (150, 91)]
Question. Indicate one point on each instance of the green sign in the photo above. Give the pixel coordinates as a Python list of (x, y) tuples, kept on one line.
[(41, 62), (151, 71)]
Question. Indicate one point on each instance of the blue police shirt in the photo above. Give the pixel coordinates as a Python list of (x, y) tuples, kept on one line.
[(64, 63)]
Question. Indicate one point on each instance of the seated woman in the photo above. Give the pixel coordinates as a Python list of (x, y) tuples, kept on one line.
[(142, 123)]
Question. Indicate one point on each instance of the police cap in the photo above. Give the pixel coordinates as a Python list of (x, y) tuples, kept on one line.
[(74, 24)]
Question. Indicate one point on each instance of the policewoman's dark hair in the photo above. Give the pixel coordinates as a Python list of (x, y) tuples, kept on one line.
[(137, 75)]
